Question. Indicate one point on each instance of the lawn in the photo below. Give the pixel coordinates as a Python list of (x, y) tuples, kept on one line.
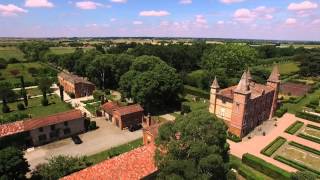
[(65, 50), (11, 52), (293, 128), (22, 70), (93, 107), (196, 105), (312, 132), (293, 108), (107, 154), (31, 92), (35, 109), (287, 68)]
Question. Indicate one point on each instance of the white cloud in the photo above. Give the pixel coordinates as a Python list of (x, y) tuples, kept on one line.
[(119, 1), (200, 19), (154, 13), (220, 22), (305, 5), (185, 1), (244, 15), (39, 3), (231, 1), (88, 5), (247, 15), (137, 22), (316, 21), (113, 19), (291, 21), (11, 10)]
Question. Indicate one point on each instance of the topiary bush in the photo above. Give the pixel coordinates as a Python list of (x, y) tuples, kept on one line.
[(185, 108), (20, 106)]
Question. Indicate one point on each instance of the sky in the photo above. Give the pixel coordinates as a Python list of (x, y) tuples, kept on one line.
[(252, 19)]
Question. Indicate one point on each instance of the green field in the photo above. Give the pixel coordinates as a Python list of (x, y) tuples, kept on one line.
[(35, 109), (31, 92), (293, 108), (22, 69), (11, 52), (287, 68), (65, 50)]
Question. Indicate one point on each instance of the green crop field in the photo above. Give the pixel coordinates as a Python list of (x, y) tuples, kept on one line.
[(287, 68), (11, 52), (65, 50)]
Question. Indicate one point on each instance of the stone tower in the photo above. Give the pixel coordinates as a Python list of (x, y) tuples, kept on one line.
[(213, 95), (240, 99), (274, 82)]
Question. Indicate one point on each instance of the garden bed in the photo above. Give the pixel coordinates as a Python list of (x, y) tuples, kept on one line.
[(273, 146), (310, 138), (295, 164), (306, 148), (293, 128)]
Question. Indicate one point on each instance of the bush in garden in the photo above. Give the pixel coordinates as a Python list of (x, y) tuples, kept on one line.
[(20, 106)]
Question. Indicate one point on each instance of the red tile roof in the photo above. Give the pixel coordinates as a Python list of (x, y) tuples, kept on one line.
[(129, 109), (109, 107), (21, 126), (132, 165)]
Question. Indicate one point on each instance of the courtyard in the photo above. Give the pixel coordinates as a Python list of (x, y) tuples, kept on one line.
[(105, 137)]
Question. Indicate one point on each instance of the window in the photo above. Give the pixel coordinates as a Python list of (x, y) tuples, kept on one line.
[(41, 129), (42, 137), (66, 123), (66, 131), (53, 134), (52, 127)]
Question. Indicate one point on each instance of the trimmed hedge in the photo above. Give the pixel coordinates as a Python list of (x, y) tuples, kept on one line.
[(294, 164), (293, 128), (313, 126), (310, 138), (306, 148), (248, 174), (280, 112), (196, 92), (233, 137), (265, 167), (273, 146), (308, 116)]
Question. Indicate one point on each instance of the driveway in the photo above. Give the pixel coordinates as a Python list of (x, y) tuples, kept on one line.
[(258, 142), (105, 137)]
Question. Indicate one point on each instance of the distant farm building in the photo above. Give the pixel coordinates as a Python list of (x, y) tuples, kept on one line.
[(246, 105), (125, 116), (79, 86), (43, 130)]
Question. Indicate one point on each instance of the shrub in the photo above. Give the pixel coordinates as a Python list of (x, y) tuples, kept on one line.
[(92, 125), (231, 175), (13, 60), (72, 95), (313, 126), (295, 164), (233, 137), (20, 106), (293, 128), (14, 117), (308, 116), (281, 111), (44, 102), (310, 138), (33, 71), (315, 102), (196, 92), (185, 108), (97, 94), (273, 146), (306, 148), (265, 167), (3, 63), (303, 175)]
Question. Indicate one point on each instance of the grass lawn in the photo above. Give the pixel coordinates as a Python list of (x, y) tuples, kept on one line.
[(312, 132), (196, 105), (93, 107), (107, 154), (287, 68), (65, 50), (11, 52), (22, 68), (245, 170), (31, 92), (293, 108), (35, 109), (273, 146)]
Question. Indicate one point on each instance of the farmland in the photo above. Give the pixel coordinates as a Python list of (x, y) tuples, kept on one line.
[(11, 52)]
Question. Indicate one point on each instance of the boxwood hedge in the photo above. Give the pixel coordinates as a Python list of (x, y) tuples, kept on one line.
[(293, 128), (273, 146)]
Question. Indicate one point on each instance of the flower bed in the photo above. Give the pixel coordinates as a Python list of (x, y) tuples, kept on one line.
[(273, 146)]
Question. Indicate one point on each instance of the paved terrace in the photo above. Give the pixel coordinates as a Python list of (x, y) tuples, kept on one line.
[(258, 142)]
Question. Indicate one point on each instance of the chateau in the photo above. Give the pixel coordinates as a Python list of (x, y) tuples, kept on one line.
[(246, 105)]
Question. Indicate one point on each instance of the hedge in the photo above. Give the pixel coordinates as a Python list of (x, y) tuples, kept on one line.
[(313, 126), (306, 148), (280, 112), (265, 167), (293, 128), (248, 174), (308, 116), (296, 165), (273, 146), (233, 137), (310, 138), (196, 92)]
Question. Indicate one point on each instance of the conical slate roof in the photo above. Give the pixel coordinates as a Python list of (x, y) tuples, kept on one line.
[(249, 75), (243, 86), (275, 75), (215, 83)]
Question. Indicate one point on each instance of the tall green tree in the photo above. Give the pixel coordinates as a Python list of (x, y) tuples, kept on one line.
[(61, 89), (59, 166), (152, 83), (193, 147), (6, 95), (44, 86), (12, 164), (23, 92)]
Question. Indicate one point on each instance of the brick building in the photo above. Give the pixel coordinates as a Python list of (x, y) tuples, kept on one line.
[(79, 86), (125, 116), (46, 129), (246, 105)]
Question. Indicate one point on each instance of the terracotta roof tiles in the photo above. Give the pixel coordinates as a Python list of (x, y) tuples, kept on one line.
[(129, 109)]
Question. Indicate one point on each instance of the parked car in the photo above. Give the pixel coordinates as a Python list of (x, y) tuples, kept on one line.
[(76, 139), (134, 127)]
